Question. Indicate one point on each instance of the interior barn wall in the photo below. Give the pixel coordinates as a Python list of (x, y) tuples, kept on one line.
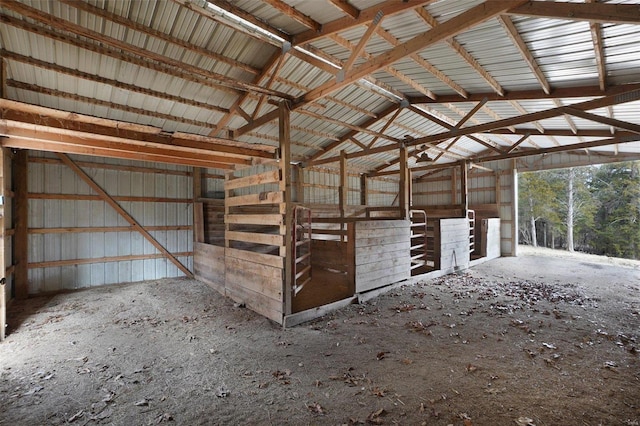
[(382, 192), (48, 176), (454, 244), (436, 190), (507, 205)]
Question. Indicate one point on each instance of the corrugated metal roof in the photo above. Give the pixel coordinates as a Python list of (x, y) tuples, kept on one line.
[(563, 49)]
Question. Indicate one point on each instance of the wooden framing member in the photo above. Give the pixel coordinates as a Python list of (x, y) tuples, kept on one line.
[(114, 204), (3, 247), (20, 218), (464, 187), (284, 121), (404, 186), (343, 195)]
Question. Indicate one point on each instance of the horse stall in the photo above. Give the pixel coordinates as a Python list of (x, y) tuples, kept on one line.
[(292, 261)]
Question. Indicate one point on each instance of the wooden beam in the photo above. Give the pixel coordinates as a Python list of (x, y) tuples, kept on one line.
[(464, 186), (515, 36), (404, 195), (294, 14), (346, 7), (68, 121), (385, 127), (604, 120), (632, 95), (388, 7), (517, 144), (455, 25), (333, 145), (364, 189), (167, 38), (371, 29), (3, 78), (344, 184), (521, 95), (598, 133), (106, 259), (463, 53), (67, 26), (115, 83), (598, 47), (601, 13), (114, 204), (20, 181), (4, 241), (284, 121)]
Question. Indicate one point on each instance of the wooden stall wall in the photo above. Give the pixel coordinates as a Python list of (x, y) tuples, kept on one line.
[(382, 253), (255, 219), (454, 244), (76, 239)]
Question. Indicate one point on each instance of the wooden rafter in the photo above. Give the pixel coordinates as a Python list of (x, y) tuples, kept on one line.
[(122, 212), (517, 39), (385, 127), (593, 12), (604, 120), (93, 101), (598, 47), (517, 144), (388, 8), (294, 14), (144, 29), (63, 25), (463, 53), (454, 26), (567, 118), (333, 145), (522, 95), (346, 7), (355, 52), (597, 133)]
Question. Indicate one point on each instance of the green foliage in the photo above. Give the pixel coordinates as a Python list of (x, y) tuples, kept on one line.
[(606, 207), (617, 217)]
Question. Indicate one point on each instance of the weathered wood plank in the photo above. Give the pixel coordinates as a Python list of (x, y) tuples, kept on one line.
[(255, 199), (381, 224), (272, 176), (377, 261), (260, 258), (255, 219), (257, 302), (247, 237)]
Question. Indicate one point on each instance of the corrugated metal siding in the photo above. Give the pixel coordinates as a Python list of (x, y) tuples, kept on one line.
[(59, 179)]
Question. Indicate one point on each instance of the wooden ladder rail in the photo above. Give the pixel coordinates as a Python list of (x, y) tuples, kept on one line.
[(471, 216), (301, 244), (419, 233)]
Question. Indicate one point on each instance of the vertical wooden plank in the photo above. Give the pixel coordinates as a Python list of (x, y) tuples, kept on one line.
[(285, 187), (364, 189), (3, 245), (3, 83), (344, 189), (454, 186), (498, 190), (464, 191), (21, 219), (198, 217), (299, 184), (514, 209), (404, 184), (351, 256)]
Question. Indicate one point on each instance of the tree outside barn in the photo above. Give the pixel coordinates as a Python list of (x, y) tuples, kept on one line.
[(591, 209)]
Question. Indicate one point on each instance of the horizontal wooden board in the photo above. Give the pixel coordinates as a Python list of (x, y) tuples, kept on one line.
[(381, 224), (260, 258), (271, 288), (257, 302), (370, 282), (255, 219), (255, 199), (247, 237), (368, 250), (375, 241), (255, 269), (272, 176), (374, 261)]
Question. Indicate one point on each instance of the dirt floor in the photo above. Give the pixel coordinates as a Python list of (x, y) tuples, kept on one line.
[(544, 339)]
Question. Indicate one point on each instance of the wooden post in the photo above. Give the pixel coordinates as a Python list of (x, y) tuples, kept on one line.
[(21, 219), (514, 209), (299, 184), (364, 189), (464, 192), (3, 245), (403, 194), (3, 78), (286, 206), (198, 207), (344, 186), (454, 186)]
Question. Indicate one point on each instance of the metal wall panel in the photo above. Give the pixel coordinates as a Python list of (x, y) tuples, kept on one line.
[(56, 178)]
